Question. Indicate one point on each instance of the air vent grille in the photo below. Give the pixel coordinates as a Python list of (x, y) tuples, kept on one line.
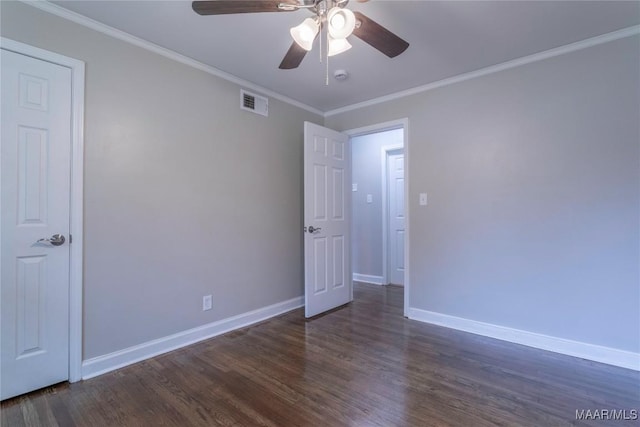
[(249, 101), (254, 103)]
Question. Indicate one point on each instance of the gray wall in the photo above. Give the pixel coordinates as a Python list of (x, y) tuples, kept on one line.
[(367, 217), (533, 178), (185, 194)]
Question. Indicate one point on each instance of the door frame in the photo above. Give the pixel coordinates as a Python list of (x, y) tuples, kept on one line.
[(385, 152), (77, 68), (377, 128)]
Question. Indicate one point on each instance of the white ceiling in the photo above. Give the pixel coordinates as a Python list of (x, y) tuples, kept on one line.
[(447, 38)]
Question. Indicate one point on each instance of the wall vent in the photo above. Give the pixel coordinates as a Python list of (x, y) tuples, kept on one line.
[(254, 103)]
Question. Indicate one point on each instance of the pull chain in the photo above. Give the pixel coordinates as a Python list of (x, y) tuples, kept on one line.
[(326, 80), (322, 12), (320, 40)]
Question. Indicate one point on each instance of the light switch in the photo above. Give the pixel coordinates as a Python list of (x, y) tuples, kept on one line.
[(354, 187), (423, 199), (369, 198)]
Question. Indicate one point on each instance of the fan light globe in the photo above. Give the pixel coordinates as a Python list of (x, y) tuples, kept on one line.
[(341, 22), (305, 33), (338, 21), (337, 46)]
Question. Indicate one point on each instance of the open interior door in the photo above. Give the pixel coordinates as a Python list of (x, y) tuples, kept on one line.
[(327, 219)]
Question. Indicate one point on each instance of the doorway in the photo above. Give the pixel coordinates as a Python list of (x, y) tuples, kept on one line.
[(379, 204)]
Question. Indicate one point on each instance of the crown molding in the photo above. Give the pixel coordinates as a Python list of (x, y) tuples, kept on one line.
[(583, 44), (61, 12), (126, 37)]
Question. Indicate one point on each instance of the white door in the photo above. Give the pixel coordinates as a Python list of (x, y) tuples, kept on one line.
[(36, 146), (395, 182), (327, 218)]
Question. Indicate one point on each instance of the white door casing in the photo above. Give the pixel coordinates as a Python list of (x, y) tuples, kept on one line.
[(42, 164), (327, 219), (396, 216)]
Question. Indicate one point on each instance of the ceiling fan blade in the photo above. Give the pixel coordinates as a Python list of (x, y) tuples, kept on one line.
[(379, 37), (293, 57), (225, 7)]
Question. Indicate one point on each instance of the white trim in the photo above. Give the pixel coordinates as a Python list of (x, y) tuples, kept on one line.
[(54, 9), (572, 47), (119, 359), (367, 278), (385, 152), (381, 127), (377, 128), (121, 35), (597, 353), (76, 208), (407, 204)]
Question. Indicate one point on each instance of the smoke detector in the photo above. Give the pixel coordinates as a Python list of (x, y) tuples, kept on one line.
[(341, 75)]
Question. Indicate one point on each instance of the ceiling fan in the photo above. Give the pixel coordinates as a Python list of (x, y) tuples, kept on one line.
[(331, 15)]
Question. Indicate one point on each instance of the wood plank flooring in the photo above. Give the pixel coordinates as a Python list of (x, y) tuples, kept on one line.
[(361, 365)]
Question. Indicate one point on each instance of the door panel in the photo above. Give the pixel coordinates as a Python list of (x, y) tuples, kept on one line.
[(36, 148), (327, 168), (395, 170), (32, 175), (31, 289), (338, 262)]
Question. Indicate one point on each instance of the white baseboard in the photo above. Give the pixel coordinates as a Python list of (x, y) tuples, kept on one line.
[(610, 356), (366, 278), (118, 359)]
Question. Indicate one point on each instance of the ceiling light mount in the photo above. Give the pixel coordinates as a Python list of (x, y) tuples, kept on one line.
[(319, 7), (341, 75)]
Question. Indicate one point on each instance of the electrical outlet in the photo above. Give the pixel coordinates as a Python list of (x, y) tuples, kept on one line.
[(423, 199), (207, 302)]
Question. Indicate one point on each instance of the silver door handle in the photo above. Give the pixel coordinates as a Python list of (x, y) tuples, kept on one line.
[(55, 240), (313, 229)]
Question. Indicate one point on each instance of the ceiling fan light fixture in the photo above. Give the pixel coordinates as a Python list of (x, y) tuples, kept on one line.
[(341, 22), (337, 46), (305, 33)]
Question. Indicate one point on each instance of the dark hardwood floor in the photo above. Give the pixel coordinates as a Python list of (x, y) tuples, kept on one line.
[(361, 365)]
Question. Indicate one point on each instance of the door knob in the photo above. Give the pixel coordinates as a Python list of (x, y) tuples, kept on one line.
[(55, 240), (313, 229)]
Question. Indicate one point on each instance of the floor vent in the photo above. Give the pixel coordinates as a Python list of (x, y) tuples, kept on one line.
[(254, 103)]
